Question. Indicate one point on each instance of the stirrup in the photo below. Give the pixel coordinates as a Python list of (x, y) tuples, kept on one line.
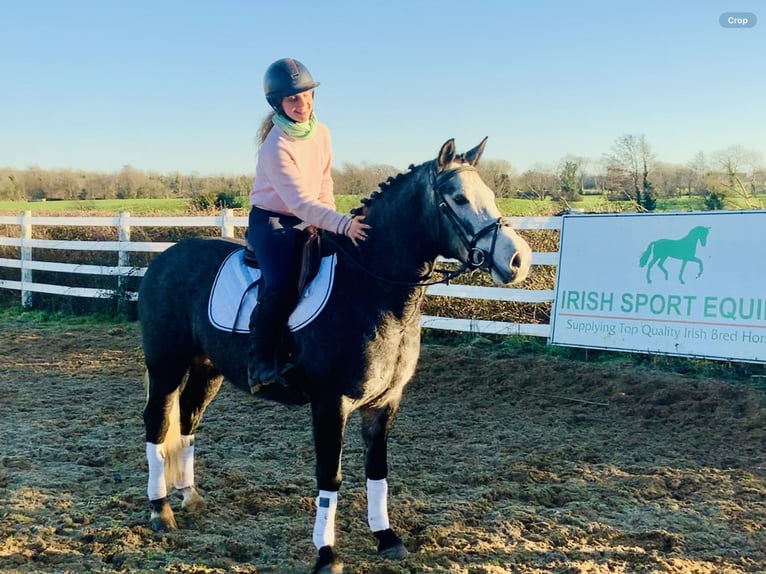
[(269, 377)]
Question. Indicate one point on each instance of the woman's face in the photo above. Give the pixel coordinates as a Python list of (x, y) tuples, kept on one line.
[(299, 107)]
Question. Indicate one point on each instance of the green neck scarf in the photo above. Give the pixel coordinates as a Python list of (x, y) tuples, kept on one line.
[(299, 130)]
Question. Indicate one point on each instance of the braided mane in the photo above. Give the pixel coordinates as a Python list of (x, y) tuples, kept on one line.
[(395, 181), (391, 182)]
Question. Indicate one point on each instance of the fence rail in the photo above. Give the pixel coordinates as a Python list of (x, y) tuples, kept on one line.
[(227, 223)]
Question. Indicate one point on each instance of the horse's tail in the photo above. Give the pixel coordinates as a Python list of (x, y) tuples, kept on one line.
[(647, 253), (172, 445)]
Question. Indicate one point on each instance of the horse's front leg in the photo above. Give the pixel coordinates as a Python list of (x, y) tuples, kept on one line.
[(681, 272), (329, 423), (699, 262), (376, 423)]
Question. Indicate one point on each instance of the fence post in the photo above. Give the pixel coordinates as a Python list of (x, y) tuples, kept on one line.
[(227, 223), (26, 255), (123, 259)]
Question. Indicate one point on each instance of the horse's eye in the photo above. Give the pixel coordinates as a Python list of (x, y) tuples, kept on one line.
[(460, 199)]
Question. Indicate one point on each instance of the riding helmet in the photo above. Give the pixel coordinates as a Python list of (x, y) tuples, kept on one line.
[(286, 77)]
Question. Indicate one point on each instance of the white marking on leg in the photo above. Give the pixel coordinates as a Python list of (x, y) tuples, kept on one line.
[(185, 476), (377, 504), (324, 524), (155, 456)]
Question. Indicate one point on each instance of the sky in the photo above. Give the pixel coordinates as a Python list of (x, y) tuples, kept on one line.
[(177, 85)]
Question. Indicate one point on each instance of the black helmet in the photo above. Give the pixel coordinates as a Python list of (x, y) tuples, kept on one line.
[(286, 77)]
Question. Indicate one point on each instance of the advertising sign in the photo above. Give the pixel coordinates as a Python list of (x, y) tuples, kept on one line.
[(687, 284)]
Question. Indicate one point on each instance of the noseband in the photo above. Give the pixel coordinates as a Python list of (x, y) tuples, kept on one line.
[(477, 257)]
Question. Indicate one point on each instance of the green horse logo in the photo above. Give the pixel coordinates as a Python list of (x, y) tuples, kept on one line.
[(683, 249)]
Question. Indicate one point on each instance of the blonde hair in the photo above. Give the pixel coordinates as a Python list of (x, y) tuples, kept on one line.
[(265, 128)]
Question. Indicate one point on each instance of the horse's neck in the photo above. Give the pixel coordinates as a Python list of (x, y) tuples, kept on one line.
[(402, 240), (400, 248)]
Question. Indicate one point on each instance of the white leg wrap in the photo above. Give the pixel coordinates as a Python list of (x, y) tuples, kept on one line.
[(377, 504), (186, 466), (324, 524), (155, 456)]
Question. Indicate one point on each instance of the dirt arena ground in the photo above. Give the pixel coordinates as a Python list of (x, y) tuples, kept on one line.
[(501, 462)]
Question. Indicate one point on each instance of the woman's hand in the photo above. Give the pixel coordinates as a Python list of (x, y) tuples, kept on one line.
[(357, 230)]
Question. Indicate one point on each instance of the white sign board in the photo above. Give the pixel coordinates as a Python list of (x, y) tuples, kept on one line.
[(688, 284)]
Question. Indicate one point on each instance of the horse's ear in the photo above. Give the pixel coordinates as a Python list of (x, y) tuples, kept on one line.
[(446, 154), (472, 156)]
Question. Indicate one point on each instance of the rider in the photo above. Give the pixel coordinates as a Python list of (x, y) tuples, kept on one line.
[(293, 188)]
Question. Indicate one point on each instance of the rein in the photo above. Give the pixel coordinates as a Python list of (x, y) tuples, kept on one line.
[(476, 257), (447, 276)]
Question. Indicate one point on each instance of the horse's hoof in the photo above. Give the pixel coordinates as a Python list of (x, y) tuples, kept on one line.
[(328, 562), (390, 545), (162, 518), (163, 523), (398, 552), (192, 501)]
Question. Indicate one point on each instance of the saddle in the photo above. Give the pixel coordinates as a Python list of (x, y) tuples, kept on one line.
[(310, 256)]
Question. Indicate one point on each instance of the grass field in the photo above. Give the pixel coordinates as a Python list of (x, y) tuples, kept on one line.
[(510, 207), (183, 206), (112, 206)]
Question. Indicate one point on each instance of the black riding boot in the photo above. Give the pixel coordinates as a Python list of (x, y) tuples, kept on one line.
[(268, 318)]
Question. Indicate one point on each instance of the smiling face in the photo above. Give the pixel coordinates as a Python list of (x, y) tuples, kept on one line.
[(299, 106)]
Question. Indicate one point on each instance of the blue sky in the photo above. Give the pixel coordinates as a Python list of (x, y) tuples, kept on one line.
[(171, 85)]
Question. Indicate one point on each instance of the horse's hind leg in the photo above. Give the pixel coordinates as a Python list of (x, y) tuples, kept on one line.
[(376, 423), (649, 270), (662, 267), (201, 386), (161, 424)]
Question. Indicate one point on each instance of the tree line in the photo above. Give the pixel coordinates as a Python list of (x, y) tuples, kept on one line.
[(629, 171)]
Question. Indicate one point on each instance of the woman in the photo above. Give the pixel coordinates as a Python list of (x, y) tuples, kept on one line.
[(293, 188)]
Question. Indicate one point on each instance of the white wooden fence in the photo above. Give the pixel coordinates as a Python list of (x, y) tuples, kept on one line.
[(227, 222)]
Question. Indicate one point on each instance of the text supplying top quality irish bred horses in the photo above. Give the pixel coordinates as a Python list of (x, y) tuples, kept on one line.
[(359, 352)]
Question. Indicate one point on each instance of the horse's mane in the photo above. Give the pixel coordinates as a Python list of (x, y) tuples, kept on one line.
[(394, 181)]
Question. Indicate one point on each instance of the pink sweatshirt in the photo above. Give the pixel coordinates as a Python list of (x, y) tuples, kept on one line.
[(293, 176)]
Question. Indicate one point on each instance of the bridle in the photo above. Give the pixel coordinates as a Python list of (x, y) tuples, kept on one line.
[(476, 257)]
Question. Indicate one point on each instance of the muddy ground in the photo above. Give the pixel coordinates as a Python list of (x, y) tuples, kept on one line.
[(501, 461)]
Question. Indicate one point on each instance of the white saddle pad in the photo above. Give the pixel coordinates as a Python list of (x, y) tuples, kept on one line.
[(234, 295)]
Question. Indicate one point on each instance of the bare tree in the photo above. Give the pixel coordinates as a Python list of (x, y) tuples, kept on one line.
[(352, 179), (66, 184), (696, 174), (538, 182), (498, 174), (623, 166), (594, 172), (11, 186), (740, 172), (629, 162)]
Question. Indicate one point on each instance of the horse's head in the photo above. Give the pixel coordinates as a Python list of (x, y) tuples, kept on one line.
[(475, 231), (701, 233)]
